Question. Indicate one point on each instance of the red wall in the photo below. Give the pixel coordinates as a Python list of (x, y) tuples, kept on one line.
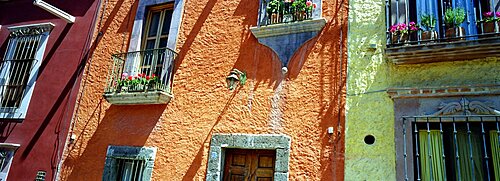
[(43, 133)]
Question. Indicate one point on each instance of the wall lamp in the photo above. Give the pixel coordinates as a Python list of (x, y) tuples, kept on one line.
[(234, 77)]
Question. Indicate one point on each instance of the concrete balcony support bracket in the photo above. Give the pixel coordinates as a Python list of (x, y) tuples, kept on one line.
[(285, 39)]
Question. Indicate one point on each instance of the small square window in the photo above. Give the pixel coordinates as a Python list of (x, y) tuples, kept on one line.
[(125, 163)]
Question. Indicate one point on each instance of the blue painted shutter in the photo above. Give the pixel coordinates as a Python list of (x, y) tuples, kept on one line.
[(470, 21), (428, 7)]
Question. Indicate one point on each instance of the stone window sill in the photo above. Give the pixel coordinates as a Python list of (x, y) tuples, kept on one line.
[(138, 98), (444, 51)]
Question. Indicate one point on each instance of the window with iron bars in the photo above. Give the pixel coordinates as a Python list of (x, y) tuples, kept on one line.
[(129, 170), (451, 148), (470, 20), (19, 67), (16, 69)]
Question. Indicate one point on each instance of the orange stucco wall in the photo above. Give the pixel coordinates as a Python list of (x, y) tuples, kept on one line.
[(215, 38)]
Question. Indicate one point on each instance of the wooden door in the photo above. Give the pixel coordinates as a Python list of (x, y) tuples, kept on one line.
[(249, 165)]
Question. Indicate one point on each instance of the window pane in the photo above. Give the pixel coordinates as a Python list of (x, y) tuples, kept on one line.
[(153, 25), (163, 42), (150, 44), (166, 22)]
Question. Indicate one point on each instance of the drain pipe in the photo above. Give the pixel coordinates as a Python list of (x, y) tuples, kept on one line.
[(55, 11)]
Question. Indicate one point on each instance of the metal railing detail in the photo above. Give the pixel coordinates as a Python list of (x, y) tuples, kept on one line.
[(481, 20), (142, 71), (286, 11), (451, 147)]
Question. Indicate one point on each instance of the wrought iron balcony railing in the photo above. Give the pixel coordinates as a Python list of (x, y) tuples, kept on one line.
[(14, 76), (141, 71), (425, 22), (286, 11)]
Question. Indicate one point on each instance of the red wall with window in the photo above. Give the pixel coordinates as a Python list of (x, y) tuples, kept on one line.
[(42, 134)]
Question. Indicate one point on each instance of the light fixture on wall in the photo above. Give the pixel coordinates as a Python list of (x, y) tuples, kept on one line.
[(234, 77)]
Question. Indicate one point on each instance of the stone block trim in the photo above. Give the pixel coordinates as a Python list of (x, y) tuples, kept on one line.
[(147, 154), (280, 143), (445, 91)]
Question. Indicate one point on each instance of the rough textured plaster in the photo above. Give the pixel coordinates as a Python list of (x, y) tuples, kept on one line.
[(369, 110), (214, 38)]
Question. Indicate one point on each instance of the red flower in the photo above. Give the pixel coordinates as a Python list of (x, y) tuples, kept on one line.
[(130, 77), (147, 77), (153, 76), (309, 3), (314, 5)]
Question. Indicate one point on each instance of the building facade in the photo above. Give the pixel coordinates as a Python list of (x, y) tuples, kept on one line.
[(42, 60), (210, 90), (422, 104)]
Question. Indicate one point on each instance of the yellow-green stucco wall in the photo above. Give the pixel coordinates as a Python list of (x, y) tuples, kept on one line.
[(369, 109)]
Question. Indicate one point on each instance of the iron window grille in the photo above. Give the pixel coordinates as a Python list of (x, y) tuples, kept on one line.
[(129, 169), (16, 69), (464, 147)]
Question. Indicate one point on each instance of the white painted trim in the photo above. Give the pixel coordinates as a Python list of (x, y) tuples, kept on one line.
[(55, 11), (10, 145), (41, 25)]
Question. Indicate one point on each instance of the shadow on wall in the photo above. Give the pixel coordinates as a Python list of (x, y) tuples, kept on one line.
[(332, 79), (260, 62), (193, 33), (197, 161), (121, 125), (14, 8)]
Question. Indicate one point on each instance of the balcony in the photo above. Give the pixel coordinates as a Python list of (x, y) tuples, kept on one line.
[(142, 77), (284, 25), (441, 30)]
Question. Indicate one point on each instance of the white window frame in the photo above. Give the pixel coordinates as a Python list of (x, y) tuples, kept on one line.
[(12, 149), (43, 29), (136, 38)]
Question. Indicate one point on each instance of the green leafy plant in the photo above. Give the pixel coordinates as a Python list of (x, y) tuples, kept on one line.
[(299, 5), (428, 22), (454, 17), (140, 80), (273, 6)]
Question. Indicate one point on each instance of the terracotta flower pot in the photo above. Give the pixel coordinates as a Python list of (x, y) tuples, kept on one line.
[(429, 35), (489, 27), (397, 38), (274, 18), (455, 34)]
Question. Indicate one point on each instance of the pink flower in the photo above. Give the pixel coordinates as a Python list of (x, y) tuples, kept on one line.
[(124, 74), (309, 3), (488, 14), (497, 14)]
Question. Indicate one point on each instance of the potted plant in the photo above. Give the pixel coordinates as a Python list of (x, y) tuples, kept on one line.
[(429, 23), (137, 83), (272, 11), (489, 20), (453, 17), (399, 33), (299, 7)]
